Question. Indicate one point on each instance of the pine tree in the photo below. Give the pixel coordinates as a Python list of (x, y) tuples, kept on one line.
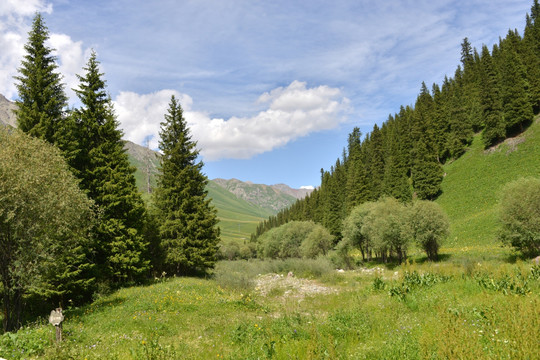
[(490, 99), (42, 99), (517, 107), (108, 178), (375, 163), (188, 222), (427, 173)]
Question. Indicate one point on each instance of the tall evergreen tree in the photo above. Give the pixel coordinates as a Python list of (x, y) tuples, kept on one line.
[(427, 173), (42, 99), (494, 129), (517, 107), (108, 178), (188, 230)]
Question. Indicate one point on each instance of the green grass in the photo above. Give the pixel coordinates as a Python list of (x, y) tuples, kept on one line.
[(447, 311), (238, 218), (472, 186)]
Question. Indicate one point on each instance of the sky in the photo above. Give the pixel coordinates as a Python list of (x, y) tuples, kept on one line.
[(270, 89)]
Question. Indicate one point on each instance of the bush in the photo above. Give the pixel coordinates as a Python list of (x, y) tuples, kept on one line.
[(293, 240), (318, 242), (385, 227), (429, 226), (237, 275), (520, 215)]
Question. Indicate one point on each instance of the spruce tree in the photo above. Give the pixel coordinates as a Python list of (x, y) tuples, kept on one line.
[(494, 127), (517, 107), (42, 99), (188, 222), (427, 173), (108, 178)]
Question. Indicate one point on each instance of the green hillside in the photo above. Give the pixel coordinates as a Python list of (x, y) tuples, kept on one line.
[(237, 218), (472, 186)]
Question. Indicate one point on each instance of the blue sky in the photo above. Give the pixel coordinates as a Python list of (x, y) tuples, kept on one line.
[(270, 89)]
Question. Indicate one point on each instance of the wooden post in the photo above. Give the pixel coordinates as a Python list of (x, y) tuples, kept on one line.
[(56, 319)]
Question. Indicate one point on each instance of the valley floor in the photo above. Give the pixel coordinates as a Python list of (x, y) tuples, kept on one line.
[(469, 309)]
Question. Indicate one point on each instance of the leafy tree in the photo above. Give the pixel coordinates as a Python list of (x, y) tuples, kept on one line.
[(318, 242), (520, 215), (295, 239), (42, 100), (386, 228), (353, 234), (44, 224), (429, 226), (188, 222), (108, 178)]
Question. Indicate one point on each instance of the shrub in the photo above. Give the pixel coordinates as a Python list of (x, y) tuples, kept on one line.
[(385, 227), (318, 242), (293, 240), (520, 215), (229, 250), (293, 235), (429, 226), (238, 275), (353, 236)]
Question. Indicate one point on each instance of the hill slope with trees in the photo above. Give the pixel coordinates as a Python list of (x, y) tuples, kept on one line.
[(492, 96)]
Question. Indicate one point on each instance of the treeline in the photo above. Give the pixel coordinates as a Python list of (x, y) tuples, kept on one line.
[(125, 241), (493, 92)]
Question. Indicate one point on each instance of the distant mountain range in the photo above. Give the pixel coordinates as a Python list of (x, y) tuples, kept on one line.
[(7, 117), (241, 205)]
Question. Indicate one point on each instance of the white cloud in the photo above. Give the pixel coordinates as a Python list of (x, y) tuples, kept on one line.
[(71, 59), (15, 23), (140, 115), (307, 187), (293, 111), (15, 19)]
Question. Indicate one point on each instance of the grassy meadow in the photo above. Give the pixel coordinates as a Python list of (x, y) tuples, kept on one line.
[(472, 187), (480, 301), (414, 311)]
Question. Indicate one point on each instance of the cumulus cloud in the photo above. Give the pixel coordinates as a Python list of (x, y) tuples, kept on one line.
[(15, 23), (292, 112), (71, 59)]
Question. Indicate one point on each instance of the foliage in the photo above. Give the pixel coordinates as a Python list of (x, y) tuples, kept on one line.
[(107, 177), (295, 239), (429, 226), (493, 92), (318, 242), (41, 103), (520, 215), (379, 227), (414, 280), (44, 223), (188, 222), (445, 315), (353, 235)]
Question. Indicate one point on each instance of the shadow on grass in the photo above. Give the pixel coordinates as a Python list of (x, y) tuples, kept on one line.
[(96, 307), (440, 258)]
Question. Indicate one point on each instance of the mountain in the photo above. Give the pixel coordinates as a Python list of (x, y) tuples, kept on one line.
[(7, 117), (270, 197), (241, 206)]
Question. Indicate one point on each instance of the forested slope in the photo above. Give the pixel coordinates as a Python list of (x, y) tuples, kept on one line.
[(493, 93), (472, 186)]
